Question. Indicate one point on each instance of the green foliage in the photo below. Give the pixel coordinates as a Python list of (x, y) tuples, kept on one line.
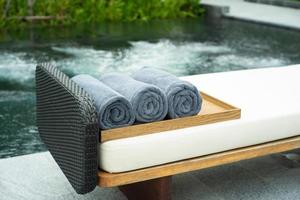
[(95, 11)]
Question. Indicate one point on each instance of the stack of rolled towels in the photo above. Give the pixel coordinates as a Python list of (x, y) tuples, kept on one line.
[(148, 95)]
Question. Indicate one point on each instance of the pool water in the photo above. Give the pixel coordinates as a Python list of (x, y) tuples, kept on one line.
[(182, 47)]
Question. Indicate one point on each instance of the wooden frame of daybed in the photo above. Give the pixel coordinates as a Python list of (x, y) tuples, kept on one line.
[(154, 182)]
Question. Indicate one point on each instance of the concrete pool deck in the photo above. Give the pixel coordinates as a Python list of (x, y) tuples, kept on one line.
[(259, 13), (37, 177)]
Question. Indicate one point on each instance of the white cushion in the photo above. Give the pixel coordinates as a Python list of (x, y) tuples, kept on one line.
[(270, 103)]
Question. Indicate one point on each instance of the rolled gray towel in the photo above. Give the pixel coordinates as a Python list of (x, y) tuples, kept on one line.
[(149, 103), (113, 109), (183, 97)]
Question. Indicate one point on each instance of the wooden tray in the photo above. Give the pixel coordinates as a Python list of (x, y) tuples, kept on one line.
[(213, 110)]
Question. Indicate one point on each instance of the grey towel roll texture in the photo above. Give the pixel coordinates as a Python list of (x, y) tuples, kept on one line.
[(113, 109), (148, 101), (183, 97)]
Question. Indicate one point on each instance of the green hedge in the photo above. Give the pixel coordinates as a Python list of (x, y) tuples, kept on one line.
[(94, 11)]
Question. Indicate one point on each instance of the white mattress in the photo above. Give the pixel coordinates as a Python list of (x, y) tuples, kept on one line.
[(270, 103)]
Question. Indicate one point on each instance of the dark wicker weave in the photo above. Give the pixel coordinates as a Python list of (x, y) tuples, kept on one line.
[(67, 123)]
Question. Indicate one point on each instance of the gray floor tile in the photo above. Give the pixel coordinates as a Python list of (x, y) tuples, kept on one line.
[(37, 177)]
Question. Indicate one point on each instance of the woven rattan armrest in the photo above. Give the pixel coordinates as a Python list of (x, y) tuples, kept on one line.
[(67, 123)]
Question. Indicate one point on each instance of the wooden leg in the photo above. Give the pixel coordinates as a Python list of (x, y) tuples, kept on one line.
[(156, 189)]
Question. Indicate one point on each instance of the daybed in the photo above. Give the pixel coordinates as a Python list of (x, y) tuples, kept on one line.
[(142, 166)]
